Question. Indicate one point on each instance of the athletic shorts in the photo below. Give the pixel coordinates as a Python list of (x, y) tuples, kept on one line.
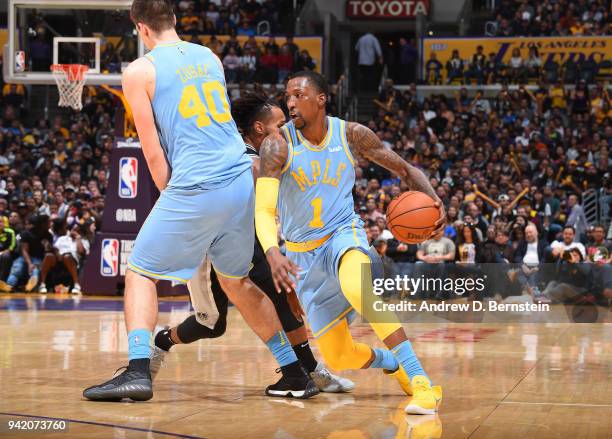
[(318, 287), (186, 225), (261, 276)]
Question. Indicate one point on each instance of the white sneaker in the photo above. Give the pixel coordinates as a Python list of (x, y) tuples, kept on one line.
[(42, 289), (76, 289), (328, 382), (158, 355)]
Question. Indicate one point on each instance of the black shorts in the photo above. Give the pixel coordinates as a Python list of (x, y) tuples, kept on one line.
[(261, 276)]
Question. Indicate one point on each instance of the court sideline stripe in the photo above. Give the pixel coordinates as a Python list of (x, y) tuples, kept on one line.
[(103, 424)]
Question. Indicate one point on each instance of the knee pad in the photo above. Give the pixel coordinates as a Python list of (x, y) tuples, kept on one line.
[(191, 330)]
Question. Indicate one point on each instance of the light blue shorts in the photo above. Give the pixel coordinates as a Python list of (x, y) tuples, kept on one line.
[(318, 287), (186, 225)]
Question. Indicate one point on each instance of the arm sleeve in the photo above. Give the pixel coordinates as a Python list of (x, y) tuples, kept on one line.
[(266, 197)]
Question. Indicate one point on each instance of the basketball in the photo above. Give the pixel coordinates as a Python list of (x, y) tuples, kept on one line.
[(412, 217)]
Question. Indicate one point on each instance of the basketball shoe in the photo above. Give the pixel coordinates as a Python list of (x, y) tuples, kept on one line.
[(330, 383), (132, 384), (425, 397), (158, 358), (300, 387)]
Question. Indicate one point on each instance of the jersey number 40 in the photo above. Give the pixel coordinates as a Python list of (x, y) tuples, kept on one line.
[(192, 105)]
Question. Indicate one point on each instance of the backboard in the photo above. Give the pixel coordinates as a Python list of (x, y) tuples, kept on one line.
[(97, 33)]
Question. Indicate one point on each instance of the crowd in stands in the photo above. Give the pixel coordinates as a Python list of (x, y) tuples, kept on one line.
[(511, 171), (542, 18), (241, 17), (487, 69), (53, 178), (268, 63)]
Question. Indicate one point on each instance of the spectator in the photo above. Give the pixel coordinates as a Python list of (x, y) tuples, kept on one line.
[(69, 249), (575, 216), (248, 65), (469, 245), (477, 67), (35, 243), (407, 61), (269, 67), (562, 249), (285, 62), (599, 250), (369, 52), (454, 68), (305, 61), (530, 254), (436, 250), (231, 63), (8, 244), (433, 69)]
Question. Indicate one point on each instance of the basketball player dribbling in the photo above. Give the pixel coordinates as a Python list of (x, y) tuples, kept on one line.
[(198, 162), (256, 116), (307, 173)]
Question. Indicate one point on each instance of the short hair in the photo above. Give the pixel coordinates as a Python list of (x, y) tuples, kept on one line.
[(316, 79), (157, 14), (251, 107), (567, 226)]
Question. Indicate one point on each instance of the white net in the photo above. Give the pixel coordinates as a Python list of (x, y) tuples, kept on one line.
[(70, 79)]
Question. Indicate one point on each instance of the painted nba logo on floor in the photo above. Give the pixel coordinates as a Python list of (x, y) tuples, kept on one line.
[(128, 177), (109, 257)]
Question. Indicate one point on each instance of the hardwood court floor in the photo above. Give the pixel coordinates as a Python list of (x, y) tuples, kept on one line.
[(499, 380)]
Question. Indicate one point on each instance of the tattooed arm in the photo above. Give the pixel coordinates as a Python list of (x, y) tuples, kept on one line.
[(274, 153), (364, 143)]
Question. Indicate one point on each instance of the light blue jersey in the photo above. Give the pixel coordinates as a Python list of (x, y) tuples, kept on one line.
[(208, 205), (315, 195), (317, 210), (193, 117)]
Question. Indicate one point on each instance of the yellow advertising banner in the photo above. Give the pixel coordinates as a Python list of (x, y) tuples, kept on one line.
[(559, 48)]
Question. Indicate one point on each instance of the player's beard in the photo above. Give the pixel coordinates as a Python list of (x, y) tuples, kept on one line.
[(299, 122)]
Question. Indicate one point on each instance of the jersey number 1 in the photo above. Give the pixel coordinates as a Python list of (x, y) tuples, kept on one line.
[(317, 207), (191, 105)]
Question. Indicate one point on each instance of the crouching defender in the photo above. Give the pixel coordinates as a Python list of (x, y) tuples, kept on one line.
[(256, 116), (307, 174)]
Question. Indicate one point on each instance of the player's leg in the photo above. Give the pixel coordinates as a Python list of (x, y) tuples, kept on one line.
[(166, 248), (232, 264), (295, 329), (355, 277), (191, 330)]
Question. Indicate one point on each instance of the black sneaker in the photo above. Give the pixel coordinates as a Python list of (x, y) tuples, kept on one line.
[(131, 384), (300, 387)]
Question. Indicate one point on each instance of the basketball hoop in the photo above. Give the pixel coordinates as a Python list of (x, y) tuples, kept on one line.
[(70, 79)]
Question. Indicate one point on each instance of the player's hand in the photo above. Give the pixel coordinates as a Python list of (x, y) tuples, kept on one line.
[(282, 269), (295, 306), (440, 225), (30, 268)]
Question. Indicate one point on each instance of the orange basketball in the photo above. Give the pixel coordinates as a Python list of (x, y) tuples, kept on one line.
[(412, 216)]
